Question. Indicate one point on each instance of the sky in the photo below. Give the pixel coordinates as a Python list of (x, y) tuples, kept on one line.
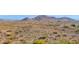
[(19, 17)]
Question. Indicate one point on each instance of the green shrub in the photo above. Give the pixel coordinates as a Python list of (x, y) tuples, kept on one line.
[(39, 41)]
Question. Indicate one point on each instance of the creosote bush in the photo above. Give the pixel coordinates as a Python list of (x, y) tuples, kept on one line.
[(42, 38), (77, 31), (73, 25), (54, 32), (65, 26)]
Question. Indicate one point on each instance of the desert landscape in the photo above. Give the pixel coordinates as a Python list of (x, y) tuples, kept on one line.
[(41, 29)]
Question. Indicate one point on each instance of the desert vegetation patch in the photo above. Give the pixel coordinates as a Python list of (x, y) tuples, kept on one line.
[(40, 30)]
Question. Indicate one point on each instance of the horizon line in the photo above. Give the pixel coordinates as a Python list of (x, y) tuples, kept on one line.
[(19, 17)]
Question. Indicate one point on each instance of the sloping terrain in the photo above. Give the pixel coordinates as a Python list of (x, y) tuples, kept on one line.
[(40, 30)]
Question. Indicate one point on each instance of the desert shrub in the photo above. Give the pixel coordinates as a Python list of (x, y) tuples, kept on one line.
[(5, 42), (77, 31), (50, 24), (9, 31), (20, 31), (54, 32), (65, 26), (73, 25), (23, 41), (64, 35), (10, 38), (63, 41), (39, 42), (16, 32), (74, 42), (78, 26), (58, 35), (42, 38), (8, 35)]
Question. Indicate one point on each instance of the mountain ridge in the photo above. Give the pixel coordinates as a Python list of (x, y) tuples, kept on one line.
[(43, 17)]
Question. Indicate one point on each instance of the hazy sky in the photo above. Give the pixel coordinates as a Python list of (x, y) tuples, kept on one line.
[(30, 16)]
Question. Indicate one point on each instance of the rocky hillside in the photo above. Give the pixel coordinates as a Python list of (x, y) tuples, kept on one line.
[(40, 30)]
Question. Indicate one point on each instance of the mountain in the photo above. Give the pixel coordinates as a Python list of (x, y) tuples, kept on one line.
[(45, 17), (42, 17), (26, 18), (66, 19)]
